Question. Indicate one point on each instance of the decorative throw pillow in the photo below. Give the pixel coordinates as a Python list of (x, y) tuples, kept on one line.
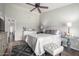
[(54, 32), (48, 31)]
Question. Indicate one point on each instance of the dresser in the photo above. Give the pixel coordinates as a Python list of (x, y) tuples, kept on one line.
[(3, 42)]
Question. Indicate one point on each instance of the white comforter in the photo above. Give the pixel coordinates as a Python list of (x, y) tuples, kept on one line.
[(37, 41)]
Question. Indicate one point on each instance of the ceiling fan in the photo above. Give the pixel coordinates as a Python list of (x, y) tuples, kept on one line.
[(37, 6)]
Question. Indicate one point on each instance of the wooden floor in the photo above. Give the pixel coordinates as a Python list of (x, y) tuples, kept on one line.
[(70, 52), (66, 52), (25, 50)]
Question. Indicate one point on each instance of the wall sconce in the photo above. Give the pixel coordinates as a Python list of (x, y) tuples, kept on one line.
[(69, 25)]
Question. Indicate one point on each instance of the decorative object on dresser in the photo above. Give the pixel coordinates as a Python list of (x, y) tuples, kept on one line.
[(3, 42)]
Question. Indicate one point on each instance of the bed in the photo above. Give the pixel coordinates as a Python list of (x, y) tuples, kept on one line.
[(37, 41)]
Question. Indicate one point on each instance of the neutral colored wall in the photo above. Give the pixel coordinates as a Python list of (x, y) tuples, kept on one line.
[(59, 17), (22, 17), (55, 18), (1, 10)]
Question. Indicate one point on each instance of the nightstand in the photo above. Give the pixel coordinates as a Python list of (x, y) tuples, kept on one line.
[(66, 42), (71, 42)]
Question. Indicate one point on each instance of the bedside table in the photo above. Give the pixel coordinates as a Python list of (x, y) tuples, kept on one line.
[(71, 42), (66, 42)]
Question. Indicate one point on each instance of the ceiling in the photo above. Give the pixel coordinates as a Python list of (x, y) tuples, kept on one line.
[(51, 6)]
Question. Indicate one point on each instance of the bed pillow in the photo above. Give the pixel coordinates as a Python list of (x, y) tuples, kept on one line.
[(54, 32), (48, 31)]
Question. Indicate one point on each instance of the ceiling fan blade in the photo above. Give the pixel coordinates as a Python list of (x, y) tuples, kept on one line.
[(39, 10), (32, 9), (30, 4), (43, 7)]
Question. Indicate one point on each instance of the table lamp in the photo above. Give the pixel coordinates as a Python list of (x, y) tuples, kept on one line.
[(69, 25)]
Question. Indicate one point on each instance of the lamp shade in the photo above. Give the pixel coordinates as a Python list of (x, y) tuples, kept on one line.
[(69, 24)]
